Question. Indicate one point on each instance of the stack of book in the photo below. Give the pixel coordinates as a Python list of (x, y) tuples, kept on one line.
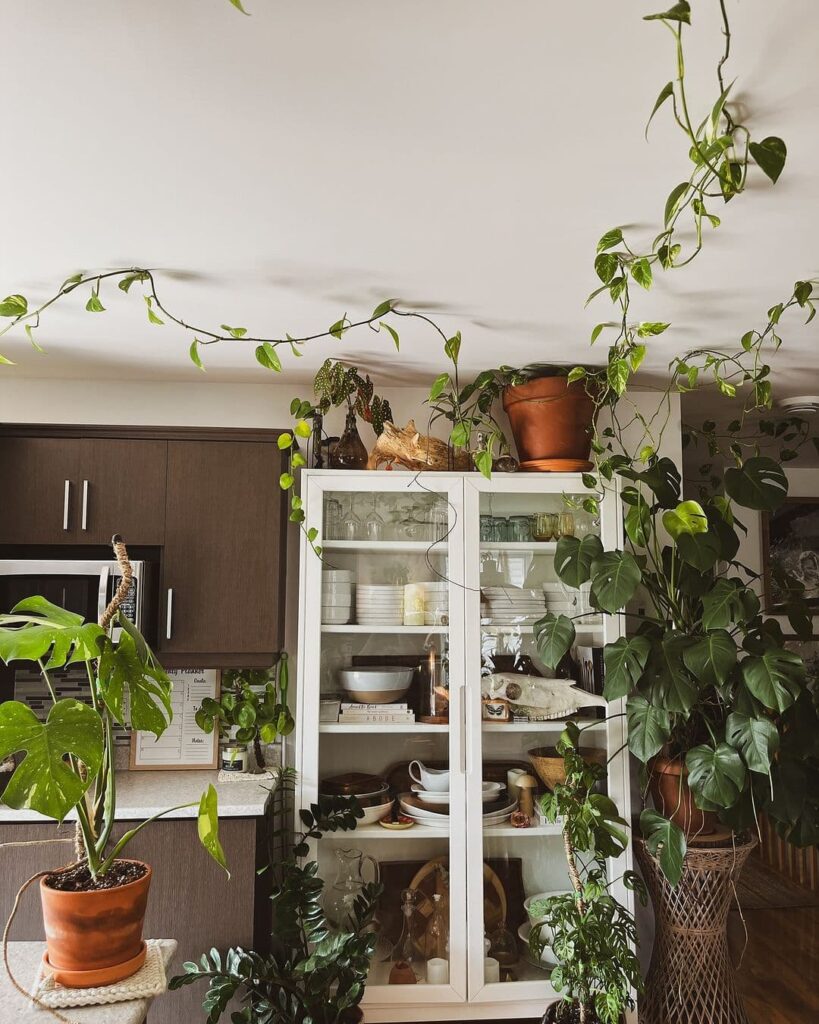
[(375, 713)]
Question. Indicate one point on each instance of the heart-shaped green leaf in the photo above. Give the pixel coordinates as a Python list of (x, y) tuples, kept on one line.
[(770, 154), (44, 781), (688, 517), (711, 658)]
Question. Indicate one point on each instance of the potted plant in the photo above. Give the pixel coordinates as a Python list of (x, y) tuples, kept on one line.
[(93, 909), (252, 707), (592, 936), (314, 974)]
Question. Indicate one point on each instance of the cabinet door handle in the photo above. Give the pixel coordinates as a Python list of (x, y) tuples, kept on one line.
[(169, 617), (66, 503), (85, 504)]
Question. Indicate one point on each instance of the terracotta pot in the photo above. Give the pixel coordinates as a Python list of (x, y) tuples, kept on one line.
[(550, 418), (96, 931), (672, 797)]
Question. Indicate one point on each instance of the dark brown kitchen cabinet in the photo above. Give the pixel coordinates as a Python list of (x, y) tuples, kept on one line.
[(224, 549), (39, 492), (121, 489), (81, 490)]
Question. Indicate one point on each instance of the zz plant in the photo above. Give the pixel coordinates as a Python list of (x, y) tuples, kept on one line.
[(592, 935), (69, 758), (313, 973)]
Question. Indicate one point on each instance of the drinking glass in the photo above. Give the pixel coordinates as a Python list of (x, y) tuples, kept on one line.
[(520, 528), (373, 525), (565, 526), (544, 526), (332, 520), (486, 528), (350, 522), (500, 529)]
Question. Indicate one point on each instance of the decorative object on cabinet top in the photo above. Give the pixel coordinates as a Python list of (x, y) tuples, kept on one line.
[(416, 451)]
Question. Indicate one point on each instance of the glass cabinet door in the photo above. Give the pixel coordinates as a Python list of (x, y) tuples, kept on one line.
[(516, 712), (381, 642)]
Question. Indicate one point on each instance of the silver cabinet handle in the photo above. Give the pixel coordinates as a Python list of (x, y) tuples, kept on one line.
[(169, 618), (85, 504), (66, 503)]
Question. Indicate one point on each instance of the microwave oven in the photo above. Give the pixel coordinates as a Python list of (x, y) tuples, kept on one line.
[(84, 586)]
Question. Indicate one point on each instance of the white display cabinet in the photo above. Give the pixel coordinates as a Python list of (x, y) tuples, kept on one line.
[(397, 528)]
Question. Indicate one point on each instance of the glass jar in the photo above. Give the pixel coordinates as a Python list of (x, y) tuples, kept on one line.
[(520, 529), (544, 526), (565, 525)]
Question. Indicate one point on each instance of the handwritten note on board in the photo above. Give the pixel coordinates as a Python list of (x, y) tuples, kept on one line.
[(183, 744)]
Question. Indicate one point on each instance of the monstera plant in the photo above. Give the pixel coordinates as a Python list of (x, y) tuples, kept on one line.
[(68, 765), (709, 682)]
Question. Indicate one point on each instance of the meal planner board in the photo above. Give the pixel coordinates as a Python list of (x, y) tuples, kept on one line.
[(183, 745)]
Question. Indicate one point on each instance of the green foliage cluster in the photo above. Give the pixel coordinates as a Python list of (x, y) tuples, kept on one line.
[(592, 935), (313, 974), (252, 706), (69, 758)]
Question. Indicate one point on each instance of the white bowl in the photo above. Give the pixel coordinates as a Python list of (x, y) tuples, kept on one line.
[(374, 814), (335, 617), (376, 684), (338, 574), (527, 903), (336, 588)]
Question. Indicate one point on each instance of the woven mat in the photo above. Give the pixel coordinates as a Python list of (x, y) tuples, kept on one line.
[(149, 981), (266, 776)]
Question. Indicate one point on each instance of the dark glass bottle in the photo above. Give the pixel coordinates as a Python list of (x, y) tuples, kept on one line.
[(349, 452)]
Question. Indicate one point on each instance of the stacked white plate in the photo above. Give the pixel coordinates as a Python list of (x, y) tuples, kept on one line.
[(513, 604), (496, 812), (379, 605), (337, 596), (436, 603), (563, 600)]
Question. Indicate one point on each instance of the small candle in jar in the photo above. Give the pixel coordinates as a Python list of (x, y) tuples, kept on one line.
[(437, 971)]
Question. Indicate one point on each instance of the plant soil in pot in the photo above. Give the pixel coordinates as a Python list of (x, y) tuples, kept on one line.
[(550, 418), (565, 1013), (673, 798), (95, 926)]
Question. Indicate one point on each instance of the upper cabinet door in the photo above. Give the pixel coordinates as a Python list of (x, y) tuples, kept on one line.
[(224, 549), (39, 499), (120, 489)]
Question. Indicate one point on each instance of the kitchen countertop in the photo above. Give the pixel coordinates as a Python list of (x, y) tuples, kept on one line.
[(25, 958), (141, 794)]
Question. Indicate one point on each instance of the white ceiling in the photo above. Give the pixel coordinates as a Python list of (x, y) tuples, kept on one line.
[(315, 158)]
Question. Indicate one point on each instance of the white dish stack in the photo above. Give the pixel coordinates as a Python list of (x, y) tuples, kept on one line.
[(379, 605), (560, 599), (436, 603), (337, 596), (513, 605)]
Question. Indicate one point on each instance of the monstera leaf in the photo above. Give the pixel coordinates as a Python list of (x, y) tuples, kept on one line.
[(716, 775), (775, 677), (687, 518), (760, 483), (666, 842), (37, 629), (625, 662), (648, 728), (712, 657), (128, 669), (755, 737), (44, 781), (574, 557), (554, 635), (615, 577)]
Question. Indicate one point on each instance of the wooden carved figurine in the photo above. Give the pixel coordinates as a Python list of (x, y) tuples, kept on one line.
[(413, 450)]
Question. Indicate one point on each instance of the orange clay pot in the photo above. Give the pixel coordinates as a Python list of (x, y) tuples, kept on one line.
[(673, 799), (550, 418), (99, 930)]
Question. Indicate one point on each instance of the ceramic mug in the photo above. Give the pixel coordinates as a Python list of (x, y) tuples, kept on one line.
[(433, 780)]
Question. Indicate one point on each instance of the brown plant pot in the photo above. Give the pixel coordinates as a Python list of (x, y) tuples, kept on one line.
[(673, 799), (558, 1014), (550, 418), (99, 930)]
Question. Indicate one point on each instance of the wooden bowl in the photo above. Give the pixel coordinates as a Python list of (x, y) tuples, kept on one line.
[(549, 764)]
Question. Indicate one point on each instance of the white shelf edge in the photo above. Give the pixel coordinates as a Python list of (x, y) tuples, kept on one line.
[(354, 627), (380, 727), (495, 627), (546, 726), (509, 831), (537, 547), (387, 546), (377, 832)]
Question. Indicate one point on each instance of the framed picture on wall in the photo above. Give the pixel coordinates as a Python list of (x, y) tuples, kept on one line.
[(790, 542)]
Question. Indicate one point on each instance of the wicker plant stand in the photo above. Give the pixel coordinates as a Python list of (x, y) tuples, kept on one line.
[(691, 977)]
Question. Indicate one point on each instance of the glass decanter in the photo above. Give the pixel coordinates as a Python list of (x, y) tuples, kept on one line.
[(437, 936)]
